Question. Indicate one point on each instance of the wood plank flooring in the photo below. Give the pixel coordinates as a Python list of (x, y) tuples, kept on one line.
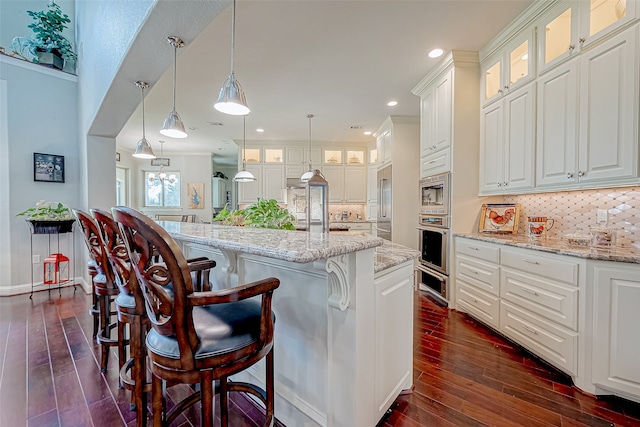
[(465, 375)]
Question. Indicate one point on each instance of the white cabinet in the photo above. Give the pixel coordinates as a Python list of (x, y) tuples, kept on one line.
[(384, 141), (557, 126), (436, 114), (509, 68), (270, 184), (394, 293), (218, 192), (616, 298), (507, 142), (372, 184), (347, 184), (601, 17), (609, 109), (605, 147), (558, 35)]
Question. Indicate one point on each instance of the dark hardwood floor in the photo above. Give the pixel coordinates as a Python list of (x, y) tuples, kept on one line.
[(465, 375)]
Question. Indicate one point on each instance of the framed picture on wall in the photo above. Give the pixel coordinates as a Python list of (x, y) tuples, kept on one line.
[(48, 167), (195, 192)]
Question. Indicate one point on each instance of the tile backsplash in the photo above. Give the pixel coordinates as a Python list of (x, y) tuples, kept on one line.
[(576, 211)]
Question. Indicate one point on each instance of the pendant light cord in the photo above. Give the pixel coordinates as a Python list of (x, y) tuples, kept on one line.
[(142, 96), (175, 71), (233, 35), (244, 139), (309, 116)]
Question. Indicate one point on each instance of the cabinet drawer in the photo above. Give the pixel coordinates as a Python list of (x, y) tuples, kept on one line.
[(478, 249), (531, 262), (481, 305), (556, 302), (553, 343), (436, 163), (479, 274), (359, 226)]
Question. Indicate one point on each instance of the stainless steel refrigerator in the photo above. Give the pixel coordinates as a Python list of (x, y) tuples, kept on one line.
[(384, 203)]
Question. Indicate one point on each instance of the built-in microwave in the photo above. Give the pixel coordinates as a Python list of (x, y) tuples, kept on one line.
[(434, 194)]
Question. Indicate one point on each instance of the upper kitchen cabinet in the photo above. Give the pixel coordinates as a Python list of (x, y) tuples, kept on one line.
[(383, 139), (435, 115), (600, 17), (251, 155), (373, 156), (507, 143), (270, 183), (558, 35), (572, 26), (258, 154), (609, 109), (509, 68), (332, 156), (355, 157), (297, 160)]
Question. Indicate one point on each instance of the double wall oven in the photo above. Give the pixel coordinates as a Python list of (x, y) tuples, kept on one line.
[(434, 235)]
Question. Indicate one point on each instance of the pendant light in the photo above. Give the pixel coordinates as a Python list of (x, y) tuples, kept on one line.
[(244, 175), (231, 99), (307, 175), (173, 126), (143, 148), (162, 175)]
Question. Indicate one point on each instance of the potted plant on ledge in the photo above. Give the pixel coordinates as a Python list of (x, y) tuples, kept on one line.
[(47, 46), (49, 218)]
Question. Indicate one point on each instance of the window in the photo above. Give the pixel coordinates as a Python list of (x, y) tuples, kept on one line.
[(162, 193)]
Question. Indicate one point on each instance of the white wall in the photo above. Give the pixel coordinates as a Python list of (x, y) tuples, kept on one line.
[(41, 106)]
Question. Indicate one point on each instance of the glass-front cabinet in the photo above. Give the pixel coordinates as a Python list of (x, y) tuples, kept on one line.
[(599, 17), (558, 35), (355, 157), (273, 155), (373, 156), (251, 155), (508, 68), (332, 157)]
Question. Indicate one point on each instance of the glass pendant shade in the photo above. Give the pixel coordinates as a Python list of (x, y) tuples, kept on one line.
[(144, 150), (231, 99), (244, 175), (173, 126), (306, 176)]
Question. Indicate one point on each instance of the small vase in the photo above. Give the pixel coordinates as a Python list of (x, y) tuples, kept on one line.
[(50, 59)]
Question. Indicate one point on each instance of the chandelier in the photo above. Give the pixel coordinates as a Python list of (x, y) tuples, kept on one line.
[(162, 175)]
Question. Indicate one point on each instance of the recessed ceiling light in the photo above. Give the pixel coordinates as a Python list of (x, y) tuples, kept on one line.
[(259, 130), (368, 132), (392, 103), (435, 53), (192, 128)]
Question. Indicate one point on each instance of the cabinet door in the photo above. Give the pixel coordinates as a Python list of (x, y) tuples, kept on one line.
[(519, 119), (384, 147), (295, 170), (491, 148), (491, 83), (557, 126), (616, 297), (335, 177), (442, 111), (248, 192), (599, 18), (426, 123), (295, 155), (438, 162), (372, 184), (274, 183), (558, 35), (609, 109), (519, 61), (355, 185)]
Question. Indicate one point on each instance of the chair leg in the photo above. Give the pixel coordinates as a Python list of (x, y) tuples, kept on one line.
[(224, 406), (95, 312), (206, 399), (157, 397), (105, 331), (122, 343), (139, 397), (269, 385)]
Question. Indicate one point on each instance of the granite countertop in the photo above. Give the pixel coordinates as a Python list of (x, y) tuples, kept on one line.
[(287, 245), (559, 246), (391, 254)]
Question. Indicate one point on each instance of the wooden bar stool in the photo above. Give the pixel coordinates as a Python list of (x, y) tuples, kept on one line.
[(197, 337)]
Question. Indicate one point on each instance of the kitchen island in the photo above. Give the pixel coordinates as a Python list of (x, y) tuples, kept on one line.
[(344, 309)]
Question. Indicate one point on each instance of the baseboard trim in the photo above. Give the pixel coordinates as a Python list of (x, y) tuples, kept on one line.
[(25, 288)]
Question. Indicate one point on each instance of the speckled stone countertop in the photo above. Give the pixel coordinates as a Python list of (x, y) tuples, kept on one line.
[(559, 246), (391, 254), (294, 246)]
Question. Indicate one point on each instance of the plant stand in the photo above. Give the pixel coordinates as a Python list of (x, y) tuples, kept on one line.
[(50, 229)]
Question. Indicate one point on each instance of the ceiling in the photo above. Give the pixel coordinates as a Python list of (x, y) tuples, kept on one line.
[(339, 60)]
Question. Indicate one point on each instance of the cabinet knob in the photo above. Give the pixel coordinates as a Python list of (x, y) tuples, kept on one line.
[(506, 87), (499, 184), (569, 175), (499, 90), (582, 40), (581, 174), (504, 184), (572, 46)]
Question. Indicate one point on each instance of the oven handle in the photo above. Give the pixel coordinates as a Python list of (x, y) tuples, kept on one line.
[(443, 231), (440, 277)]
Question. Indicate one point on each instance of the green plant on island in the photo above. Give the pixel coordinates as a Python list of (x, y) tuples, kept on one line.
[(262, 214), (47, 28), (47, 211)]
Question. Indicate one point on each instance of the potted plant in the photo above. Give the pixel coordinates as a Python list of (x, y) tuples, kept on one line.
[(47, 46), (49, 218), (263, 214)]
